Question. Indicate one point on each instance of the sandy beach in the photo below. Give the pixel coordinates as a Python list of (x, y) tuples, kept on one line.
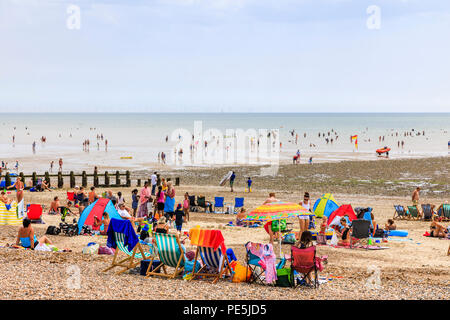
[(415, 267)]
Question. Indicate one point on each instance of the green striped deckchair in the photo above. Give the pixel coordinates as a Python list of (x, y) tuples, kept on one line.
[(413, 212), (133, 257), (444, 211), (170, 253)]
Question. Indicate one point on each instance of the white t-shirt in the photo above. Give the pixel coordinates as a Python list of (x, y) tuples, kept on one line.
[(124, 213), (154, 178), (307, 206)]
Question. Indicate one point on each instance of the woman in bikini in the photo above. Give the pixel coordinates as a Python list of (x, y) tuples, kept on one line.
[(436, 229), (26, 237), (19, 188)]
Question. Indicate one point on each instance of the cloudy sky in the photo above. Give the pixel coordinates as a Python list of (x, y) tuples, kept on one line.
[(225, 55)]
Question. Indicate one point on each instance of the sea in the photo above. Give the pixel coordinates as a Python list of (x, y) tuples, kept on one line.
[(136, 139)]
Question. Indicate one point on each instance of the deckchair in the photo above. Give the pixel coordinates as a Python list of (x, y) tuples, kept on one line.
[(214, 260), (444, 211), (170, 253), (257, 272), (413, 212), (192, 204), (238, 203), (427, 212), (218, 203), (360, 230), (34, 213), (304, 262), (201, 202), (121, 240), (400, 212)]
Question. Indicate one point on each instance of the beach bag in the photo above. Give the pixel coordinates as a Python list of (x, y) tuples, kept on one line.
[(321, 238), (105, 250), (53, 230), (42, 247), (284, 278), (145, 264), (278, 224), (91, 248), (289, 238), (379, 233), (240, 273), (334, 239)]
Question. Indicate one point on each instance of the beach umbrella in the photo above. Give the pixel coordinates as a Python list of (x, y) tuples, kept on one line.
[(276, 211), (325, 205)]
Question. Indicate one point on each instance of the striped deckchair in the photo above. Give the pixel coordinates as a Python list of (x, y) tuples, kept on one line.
[(133, 257), (214, 260), (427, 212), (170, 253), (444, 211), (400, 212), (413, 212), (9, 215)]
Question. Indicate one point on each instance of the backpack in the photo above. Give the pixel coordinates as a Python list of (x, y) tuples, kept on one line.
[(53, 230)]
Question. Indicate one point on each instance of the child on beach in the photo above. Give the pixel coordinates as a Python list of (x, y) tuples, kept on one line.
[(249, 184), (323, 226), (186, 205), (135, 201), (390, 225), (343, 232), (179, 218), (160, 199), (120, 198)]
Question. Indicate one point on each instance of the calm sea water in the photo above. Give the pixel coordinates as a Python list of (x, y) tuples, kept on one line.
[(142, 136)]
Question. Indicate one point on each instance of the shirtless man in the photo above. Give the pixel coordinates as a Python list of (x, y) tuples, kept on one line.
[(54, 206), (415, 200), (271, 198)]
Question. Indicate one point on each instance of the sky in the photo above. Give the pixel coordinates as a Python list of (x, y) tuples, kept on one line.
[(225, 56)]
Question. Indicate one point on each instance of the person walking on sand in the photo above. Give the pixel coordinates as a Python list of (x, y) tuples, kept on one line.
[(415, 199), (233, 176)]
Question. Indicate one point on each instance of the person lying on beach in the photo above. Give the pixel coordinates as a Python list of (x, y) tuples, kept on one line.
[(4, 198), (436, 229), (343, 233), (54, 206), (105, 222), (26, 237), (45, 186), (390, 225)]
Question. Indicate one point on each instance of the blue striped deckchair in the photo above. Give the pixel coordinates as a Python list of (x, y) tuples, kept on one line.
[(170, 253), (400, 212), (215, 261), (133, 257)]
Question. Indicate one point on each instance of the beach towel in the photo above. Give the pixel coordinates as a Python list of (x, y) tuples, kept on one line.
[(169, 204), (125, 227), (207, 238)]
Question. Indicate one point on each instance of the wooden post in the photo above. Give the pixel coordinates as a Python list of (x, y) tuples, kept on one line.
[(106, 179), (60, 180), (33, 178), (84, 179), (47, 178), (158, 179), (138, 182), (22, 177), (72, 179), (117, 178), (177, 181), (128, 179), (95, 179), (7, 180)]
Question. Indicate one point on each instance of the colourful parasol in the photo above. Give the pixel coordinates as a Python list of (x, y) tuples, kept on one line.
[(276, 211)]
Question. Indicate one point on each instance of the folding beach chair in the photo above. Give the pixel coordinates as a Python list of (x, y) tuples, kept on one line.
[(201, 202), (71, 196), (400, 212), (218, 203), (170, 253), (34, 213), (252, 259), (213, 260), (304, 262), (413, 212), (427, 212), (238, 203), (123, 242), (192, 204), (360, 230)]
